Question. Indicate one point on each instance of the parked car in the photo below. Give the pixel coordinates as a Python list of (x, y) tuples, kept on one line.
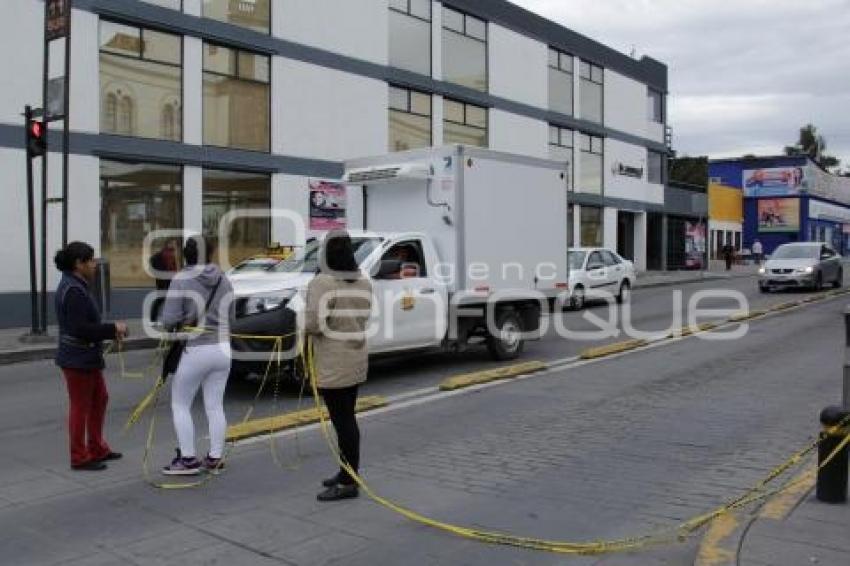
[(801, 265), (599, 273)]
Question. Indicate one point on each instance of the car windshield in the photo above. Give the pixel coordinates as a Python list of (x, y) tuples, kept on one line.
[(252, 265), (796, 252), (577, 259), (308, 260)]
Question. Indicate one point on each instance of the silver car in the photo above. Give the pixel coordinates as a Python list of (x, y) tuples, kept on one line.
[(801, 265)]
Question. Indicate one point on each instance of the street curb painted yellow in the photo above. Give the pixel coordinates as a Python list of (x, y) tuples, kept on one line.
[(257, 427), (609, 349), (746, 315), (781, 505), (688, 330), (486, 376), (719, 545), (785, 306)]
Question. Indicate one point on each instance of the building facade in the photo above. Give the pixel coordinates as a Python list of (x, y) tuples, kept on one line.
[(787, 199), (182, 110)]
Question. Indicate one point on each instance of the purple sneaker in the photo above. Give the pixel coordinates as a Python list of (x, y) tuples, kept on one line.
[(213, 465), (182, 466)]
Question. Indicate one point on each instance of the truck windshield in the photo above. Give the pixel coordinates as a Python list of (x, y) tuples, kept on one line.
[(796, 252), (577, 260), (307, 261)]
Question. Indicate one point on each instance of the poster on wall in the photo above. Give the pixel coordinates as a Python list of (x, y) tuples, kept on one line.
[(779, 214), (774, 182), (694, 245), (57, 18), (327, 205)]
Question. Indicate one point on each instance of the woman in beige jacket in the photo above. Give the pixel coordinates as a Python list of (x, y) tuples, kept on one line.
[(339, 301)]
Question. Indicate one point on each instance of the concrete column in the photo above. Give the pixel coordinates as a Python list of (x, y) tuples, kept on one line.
[(437, 120), (664, 242), (576, 227), (193, 95), (192, 7), (193, 181), (640, 230), (437, 40), (609, 227)]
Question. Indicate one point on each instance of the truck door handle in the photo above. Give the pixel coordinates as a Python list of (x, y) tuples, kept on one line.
[(427, 291)]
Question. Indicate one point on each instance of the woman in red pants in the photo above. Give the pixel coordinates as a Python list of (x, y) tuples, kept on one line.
[(80, 355)]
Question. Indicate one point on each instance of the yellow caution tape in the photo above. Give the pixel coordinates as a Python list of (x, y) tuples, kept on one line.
[(478, 377)]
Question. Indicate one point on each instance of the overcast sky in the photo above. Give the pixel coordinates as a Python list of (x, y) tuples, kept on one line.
[(743, 75)]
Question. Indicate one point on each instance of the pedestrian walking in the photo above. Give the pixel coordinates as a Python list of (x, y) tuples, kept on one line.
[(80, 356), (728, 255), (164, 265), (339, 300), (199, 295), (757, 251)]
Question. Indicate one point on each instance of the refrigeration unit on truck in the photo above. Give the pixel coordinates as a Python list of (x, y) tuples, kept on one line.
[(464, 246)]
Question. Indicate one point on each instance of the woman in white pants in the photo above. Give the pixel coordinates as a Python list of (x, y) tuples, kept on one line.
[(205, 363)]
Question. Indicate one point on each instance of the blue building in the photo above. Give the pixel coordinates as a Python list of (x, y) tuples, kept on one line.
[(788, 199)]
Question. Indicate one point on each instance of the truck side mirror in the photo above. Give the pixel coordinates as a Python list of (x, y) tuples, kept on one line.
[(387, 267)]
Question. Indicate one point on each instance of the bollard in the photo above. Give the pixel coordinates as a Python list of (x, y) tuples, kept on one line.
[(832, 478), (845, 389)]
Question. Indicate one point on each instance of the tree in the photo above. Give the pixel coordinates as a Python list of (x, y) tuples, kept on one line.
[(813, 145), (690, 170)]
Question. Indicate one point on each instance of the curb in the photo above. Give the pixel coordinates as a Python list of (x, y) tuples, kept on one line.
[(691, 281), (609, 349), (486, 376), (268, 425), (8, 357)]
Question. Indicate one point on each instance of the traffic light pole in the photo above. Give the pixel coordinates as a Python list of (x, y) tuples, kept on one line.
[(44, 158), (34, 317), (66, 135)]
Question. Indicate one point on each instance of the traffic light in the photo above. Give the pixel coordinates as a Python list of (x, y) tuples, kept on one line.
[(36, 138)]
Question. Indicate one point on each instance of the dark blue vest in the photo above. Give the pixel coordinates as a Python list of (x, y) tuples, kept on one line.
[(79, 352)]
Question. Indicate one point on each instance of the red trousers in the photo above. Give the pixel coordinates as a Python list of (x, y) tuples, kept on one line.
[(88, 398)]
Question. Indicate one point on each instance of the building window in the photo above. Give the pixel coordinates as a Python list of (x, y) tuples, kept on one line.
[(136, 198), (464, 123), (571, 218), (464, 49), (410, 119), (591, 164), (591, 226), (139, 69), (226, 191), (173, 4), (590, 91), (410, 35), (656, 106), (168, 124), (561, 149), (655, 167), (560, 82), (251, 14), (236, 98)]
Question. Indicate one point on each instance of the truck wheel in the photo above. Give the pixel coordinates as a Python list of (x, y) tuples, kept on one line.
[(839, 280), (577, 298), (508, 344)]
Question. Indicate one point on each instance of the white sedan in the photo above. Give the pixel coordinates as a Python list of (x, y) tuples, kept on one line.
[(599, 273)]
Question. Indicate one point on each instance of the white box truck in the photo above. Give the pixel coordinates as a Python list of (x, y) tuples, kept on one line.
[(463, 245)]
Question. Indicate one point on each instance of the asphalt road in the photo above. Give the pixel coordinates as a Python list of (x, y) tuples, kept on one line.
[(602, 450)]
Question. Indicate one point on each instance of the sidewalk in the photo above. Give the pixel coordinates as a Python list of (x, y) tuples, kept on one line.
[(13, 350)]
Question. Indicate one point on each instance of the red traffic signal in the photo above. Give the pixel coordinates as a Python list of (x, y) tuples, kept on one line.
[(36, 138)]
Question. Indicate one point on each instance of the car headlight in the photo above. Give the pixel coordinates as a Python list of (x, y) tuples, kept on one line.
[(266, 303), (804, 270), (762, 270)]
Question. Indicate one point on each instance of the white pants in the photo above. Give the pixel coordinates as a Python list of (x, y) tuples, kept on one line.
[(205, 366)]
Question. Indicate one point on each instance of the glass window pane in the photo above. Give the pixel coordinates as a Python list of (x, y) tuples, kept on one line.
[(453, 111), (408, 131), (135, 200), (173, 4), (584, 69), (566, 62), (584, 142), (452, 19), (398, 98), (225, 191), (553, 58), (560, 91), (566, 137), (467, 135), (164, 47), (596, 145), (562, 154), (591, 226), (656, 106), (140, 98), (236, 113), (410, 43), (591, 101), (219, 59), (553, 135), (654, 173), (118, 38), (596, 74), (476, 28), (251, 14), (421, 9), (399, 5), (253, 67), (476, 116), (464, 61), (420, 103), (591, 173)]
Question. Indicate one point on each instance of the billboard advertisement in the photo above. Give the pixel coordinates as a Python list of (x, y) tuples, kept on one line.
[(774, 181), (779, 215), (327, 205), (694, 245)]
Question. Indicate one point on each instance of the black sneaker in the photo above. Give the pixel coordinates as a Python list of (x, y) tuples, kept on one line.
[(338, 492), (331, 481), (181, 466), (90, 466), (213, 465)]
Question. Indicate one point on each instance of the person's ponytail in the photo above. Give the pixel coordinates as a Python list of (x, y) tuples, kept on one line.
[(66, 259)]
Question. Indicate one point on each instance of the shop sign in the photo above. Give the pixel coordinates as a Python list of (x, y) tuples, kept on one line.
[(327, 205), (628, 170)]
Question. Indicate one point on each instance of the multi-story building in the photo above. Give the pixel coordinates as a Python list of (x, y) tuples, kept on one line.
[(183, 110)]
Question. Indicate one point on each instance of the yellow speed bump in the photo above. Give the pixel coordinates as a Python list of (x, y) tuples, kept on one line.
[(475, 378), (609, 349), (256, 427)]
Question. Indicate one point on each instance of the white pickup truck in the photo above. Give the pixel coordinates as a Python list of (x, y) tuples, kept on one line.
[(463, 246)]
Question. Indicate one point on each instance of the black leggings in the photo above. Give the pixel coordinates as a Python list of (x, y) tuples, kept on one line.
[(340, 403)]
